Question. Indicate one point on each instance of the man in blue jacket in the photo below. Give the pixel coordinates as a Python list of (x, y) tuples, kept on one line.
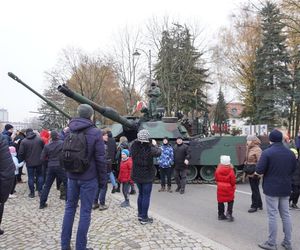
[(84, 184), (277, 164)]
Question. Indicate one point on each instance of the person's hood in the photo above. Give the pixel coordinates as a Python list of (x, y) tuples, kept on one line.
[(30, 135), (80, 123), (5, 132), (255, 142)]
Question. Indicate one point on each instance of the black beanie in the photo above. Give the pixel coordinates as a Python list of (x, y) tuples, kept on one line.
[(85, 111), (8, 127), (275, 136), (54, 135)]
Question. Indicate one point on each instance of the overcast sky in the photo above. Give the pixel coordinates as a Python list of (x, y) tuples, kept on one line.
[(33, 33)]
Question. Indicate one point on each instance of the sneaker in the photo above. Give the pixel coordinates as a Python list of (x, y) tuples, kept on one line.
[(294, 206), (169, 190), (11, 196), (252, 210), (267, 246), (162, 189), (286, 246), (182, 191), (125, 204), (1, 232), (31, 195), (177, 189), (146, 221), (42, 206), (230, 218), (139, 218), (222, 217), (95, 206), (132, 191), (103, 207)]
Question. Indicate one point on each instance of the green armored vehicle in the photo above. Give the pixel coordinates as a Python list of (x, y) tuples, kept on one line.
[(205, 151)]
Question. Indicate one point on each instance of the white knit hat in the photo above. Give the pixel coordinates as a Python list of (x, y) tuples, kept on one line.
[(143, 135), (225, 159)]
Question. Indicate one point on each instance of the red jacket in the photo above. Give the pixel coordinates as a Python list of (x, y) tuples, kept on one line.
[(125, 170), (225, 179)]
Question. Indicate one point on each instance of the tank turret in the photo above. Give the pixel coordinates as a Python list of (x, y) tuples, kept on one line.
[(51, 104)]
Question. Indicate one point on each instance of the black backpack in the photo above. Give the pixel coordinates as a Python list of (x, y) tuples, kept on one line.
[(74, 158)]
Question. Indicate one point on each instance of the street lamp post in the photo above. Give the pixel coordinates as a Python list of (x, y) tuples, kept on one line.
[(137, 53)]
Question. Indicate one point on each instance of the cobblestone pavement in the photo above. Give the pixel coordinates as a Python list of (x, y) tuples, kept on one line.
[(29, 228)]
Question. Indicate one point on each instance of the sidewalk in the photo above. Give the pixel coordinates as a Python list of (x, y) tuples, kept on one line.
[(29, 228)]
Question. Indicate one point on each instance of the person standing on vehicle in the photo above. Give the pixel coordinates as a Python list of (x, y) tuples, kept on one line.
[(181, 160), (85, 184), (253, 154), (277, 164), (165, 165)]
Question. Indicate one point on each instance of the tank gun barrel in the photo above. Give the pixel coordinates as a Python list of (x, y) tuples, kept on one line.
[(105, 111), (50, 103)]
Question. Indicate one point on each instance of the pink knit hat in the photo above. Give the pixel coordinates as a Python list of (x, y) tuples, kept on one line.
[(12, 150)]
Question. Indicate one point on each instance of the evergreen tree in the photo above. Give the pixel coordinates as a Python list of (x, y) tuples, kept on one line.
[(220, 113), (273, 83), (179, 71)]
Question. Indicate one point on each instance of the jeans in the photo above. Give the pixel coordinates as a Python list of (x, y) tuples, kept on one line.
[(37, 172), (255, 197), (113, 180), (52, 173), (180, 178), (143, 200), (165, 172), (281, 205), (295, 194), (86, 190), (221, 208)]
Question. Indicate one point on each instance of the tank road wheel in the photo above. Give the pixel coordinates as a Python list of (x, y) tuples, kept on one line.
[(191, 173), (207, 173)]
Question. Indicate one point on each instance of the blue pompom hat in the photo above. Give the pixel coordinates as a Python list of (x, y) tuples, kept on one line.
[(125, 151)]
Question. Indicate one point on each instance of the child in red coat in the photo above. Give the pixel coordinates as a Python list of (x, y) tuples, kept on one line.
[(225, 179), (124, 175)]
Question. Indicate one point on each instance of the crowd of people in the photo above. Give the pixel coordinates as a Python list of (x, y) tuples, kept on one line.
[(84, 176)]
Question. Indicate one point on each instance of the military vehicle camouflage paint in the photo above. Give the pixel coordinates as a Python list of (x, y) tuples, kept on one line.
[(205, 152)]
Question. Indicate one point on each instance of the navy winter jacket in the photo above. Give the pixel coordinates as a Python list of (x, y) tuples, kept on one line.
[(96, 151), (277, 164)]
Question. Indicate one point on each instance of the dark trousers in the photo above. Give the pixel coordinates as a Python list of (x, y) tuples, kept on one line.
[(295, 194), (1, 211), (86, 191), (221, 208), (19, 176), (14, 186), (255, 197), (125, 190), (32, 173), (143, 200), (180, 178), (52, 173), (165, 172), (101, 193)]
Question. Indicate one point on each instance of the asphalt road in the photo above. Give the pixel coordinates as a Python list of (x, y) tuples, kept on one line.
[(196, 210)]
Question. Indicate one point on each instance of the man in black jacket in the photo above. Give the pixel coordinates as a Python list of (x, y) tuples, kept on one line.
[(30, 152), (181, 160), (7, 175), (51, 153)]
